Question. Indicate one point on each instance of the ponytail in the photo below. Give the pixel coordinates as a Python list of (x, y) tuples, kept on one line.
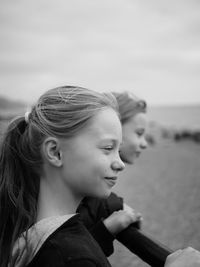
[(19, 187)]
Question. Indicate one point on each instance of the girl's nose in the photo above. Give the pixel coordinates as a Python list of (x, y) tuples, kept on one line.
[(118, 164), (144, 143)]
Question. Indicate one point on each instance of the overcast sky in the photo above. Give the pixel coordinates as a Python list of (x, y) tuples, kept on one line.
[(150, 47)]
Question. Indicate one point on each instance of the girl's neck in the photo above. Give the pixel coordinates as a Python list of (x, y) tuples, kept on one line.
[(55, 199)]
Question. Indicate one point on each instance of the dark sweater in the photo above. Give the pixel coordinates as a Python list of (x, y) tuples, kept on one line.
[(93, 211), (71, 245)]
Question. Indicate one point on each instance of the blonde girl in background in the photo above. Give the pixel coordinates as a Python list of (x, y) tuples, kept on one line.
[(105, 218)]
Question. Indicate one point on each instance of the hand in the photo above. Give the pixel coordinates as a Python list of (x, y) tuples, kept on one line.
[(188, 257), (120, 220), (138, 222)]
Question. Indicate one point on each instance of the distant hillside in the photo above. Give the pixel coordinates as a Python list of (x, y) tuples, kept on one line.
[(10, 108), (10, 104)]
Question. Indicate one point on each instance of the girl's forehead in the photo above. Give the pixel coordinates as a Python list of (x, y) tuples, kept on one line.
[(105, 122), (138, 121), (139, 118)]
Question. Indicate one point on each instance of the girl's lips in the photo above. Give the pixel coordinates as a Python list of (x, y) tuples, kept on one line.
[(137, 154), (111, 181), (111, 178)]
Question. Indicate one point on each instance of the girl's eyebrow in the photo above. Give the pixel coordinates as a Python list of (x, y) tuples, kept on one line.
[(107, 139), (113, 141)]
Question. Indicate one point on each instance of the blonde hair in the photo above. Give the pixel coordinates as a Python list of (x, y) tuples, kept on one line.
[(63, 111), (129, 105)]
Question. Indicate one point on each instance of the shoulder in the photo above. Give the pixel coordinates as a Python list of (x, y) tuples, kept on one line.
[(71, 244), (53, 256)]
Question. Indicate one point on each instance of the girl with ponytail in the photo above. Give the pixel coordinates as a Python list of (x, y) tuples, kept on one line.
[(65, 149)]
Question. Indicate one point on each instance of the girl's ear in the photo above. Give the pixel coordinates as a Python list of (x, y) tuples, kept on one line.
[(52, 151)]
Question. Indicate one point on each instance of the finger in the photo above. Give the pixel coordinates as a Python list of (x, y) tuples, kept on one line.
[(126, 207), (174, 255), (190, 250)]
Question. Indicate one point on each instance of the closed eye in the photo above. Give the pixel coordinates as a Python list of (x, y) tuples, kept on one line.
[(140, 133), (109, 148)]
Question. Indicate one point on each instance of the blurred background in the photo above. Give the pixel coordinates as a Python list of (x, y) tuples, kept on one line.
[(151, 48)]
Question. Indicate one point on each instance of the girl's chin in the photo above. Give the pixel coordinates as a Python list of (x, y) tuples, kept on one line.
[(130, 160)]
